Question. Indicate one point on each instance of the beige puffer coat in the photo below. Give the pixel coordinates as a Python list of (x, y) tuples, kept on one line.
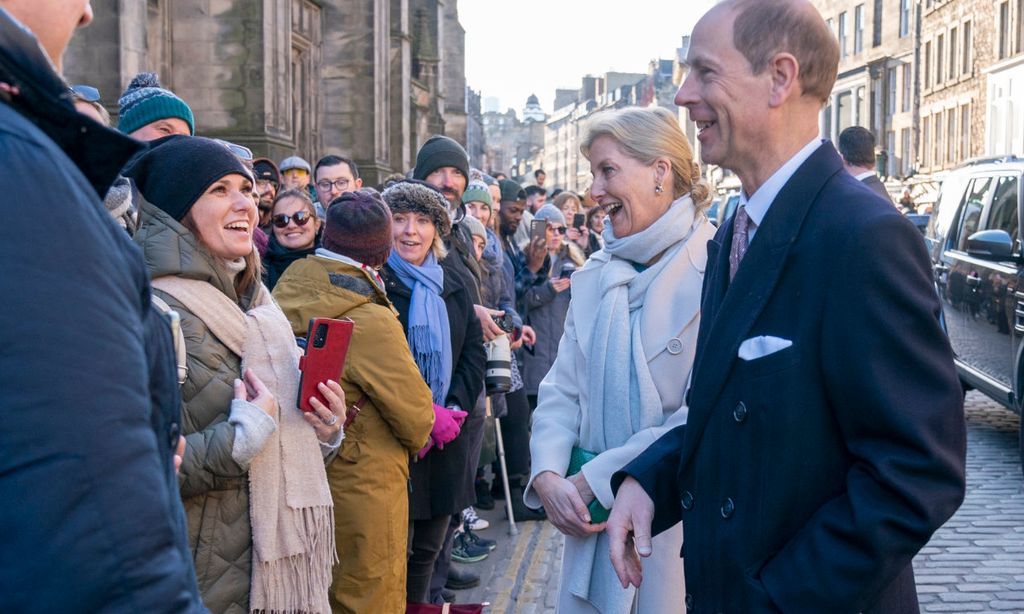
[(214, 489)]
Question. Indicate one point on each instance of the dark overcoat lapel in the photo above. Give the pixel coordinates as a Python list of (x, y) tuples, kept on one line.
[(730, 309)]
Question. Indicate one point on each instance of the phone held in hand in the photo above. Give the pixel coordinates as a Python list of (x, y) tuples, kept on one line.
[(538, 230), (579, 221), (326, 347)]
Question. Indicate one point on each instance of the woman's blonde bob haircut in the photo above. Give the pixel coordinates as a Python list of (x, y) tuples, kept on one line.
[(646, 134)]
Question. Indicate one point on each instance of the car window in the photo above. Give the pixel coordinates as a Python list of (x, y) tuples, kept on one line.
[(970, 212), (1003, 211), (946, 206)]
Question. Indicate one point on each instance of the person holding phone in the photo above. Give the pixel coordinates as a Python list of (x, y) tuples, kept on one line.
[(576, 228), (369, 476), (446, 341), (295, 229), (628, 346), (545, 305), (247, 444)]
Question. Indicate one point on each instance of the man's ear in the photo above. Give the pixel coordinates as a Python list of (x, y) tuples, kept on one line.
[(784, 71)]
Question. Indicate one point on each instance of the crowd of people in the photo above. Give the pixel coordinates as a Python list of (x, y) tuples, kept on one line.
[(156, 457)]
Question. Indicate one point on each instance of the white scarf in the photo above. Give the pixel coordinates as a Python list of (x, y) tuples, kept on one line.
[(624, 398)]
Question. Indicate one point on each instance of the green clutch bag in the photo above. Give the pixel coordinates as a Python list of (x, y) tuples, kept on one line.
[(577, 459)]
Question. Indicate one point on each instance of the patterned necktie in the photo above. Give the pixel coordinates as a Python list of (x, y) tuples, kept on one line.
[(740, 240)]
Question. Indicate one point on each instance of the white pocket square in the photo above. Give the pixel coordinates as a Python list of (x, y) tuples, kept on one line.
[(759, 347)]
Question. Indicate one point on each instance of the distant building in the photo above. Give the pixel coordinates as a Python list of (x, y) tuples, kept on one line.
[(1005, 82), (363, 78), (513, 146)]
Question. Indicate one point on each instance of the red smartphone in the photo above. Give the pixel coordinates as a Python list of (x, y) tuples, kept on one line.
[(326, 346)]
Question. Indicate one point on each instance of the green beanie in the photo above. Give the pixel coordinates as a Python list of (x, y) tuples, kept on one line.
[(145, 102), (477, 192)]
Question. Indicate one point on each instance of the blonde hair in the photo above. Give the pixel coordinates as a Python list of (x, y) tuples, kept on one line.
[(646, 135)]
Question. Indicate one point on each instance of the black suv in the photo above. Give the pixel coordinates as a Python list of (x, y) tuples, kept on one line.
[(974, 238)]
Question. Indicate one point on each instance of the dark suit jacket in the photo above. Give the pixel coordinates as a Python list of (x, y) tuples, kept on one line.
[(873, 182), (808, 478)]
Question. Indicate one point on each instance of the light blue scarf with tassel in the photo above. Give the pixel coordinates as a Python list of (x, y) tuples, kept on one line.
[(430, 337)]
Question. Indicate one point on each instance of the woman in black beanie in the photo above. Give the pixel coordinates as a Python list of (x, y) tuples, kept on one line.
[(197, 220)]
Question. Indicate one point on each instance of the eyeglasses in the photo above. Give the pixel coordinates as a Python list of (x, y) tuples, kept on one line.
[(341, 184), (560, 229), (87, 93), (296, 172), (301, 217), (242, 152)]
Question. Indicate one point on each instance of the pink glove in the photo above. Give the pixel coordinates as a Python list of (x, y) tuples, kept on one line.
[(447, 425)]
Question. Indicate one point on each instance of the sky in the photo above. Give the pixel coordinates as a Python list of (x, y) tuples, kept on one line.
[(523, 47)]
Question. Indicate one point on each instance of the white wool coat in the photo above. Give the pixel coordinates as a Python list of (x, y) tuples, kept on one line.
[(668, 325)]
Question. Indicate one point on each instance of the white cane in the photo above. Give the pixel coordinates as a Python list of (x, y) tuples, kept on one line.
[(512, 529)]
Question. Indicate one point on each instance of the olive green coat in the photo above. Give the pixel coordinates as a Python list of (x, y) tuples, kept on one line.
[(369, 477), (214, 489)]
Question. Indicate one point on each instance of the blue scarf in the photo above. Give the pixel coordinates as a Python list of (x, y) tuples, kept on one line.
[(430, 338)]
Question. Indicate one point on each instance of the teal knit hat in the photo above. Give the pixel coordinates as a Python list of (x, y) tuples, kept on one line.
[(477, 191), (145, 102)]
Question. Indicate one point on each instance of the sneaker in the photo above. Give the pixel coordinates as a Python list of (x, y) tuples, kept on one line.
[(472, 521), (460, 579), (465, 551), (490, 544)]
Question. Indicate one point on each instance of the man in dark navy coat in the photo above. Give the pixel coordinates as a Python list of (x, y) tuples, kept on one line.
[(90, 516), (825, 440)]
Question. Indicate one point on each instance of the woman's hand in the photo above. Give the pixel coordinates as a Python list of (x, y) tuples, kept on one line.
[(536, 252), (253, 390), (179, 454), (327, 421), (529, 335), (560, 285), (580, 236), (564, 505)]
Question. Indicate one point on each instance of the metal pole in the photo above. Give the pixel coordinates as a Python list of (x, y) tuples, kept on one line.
[(512, 528)]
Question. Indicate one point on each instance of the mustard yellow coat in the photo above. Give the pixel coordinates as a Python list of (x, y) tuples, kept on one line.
[(369, 476)]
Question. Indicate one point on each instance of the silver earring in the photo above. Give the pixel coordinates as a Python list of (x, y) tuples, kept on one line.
[(657, 189)]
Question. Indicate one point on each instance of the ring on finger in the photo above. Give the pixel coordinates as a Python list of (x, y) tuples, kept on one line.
[(332, 421)]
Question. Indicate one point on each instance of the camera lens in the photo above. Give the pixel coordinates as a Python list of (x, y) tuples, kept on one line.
[(321, 336)]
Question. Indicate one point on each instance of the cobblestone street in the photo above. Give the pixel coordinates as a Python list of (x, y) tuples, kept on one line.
[(975, 563)]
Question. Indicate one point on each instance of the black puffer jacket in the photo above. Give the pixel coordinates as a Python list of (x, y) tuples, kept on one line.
[(442, 483)]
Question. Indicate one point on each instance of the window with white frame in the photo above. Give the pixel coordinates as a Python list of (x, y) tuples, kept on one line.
[(858, 28)]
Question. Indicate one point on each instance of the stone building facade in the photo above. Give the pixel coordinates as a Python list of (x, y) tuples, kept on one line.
[(1004, 82), (368, 79), (514, 146)]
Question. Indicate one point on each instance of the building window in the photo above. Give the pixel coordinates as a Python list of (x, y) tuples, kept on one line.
[(952, 53), (927, 65), (905, 155), (904, 18), (939, 75), (1004, 29), (965, 131), (842, 34), (908, 86), (937, 152), (966, 53), (890, 92), (876, 34), (926, 140), (858, 28), (1020, 26), (950, 131)]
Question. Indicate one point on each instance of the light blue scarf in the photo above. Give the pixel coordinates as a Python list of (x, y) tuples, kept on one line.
[(430, 337)]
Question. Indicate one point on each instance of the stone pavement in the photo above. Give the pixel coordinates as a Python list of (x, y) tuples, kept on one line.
[(975, 563)]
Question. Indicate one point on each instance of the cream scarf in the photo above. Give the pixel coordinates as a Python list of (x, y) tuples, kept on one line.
[(290, 503)]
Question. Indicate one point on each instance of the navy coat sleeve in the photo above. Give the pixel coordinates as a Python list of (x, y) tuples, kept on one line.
[(86, 518)]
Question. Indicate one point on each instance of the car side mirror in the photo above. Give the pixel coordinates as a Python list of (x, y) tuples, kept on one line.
[(990, 245)]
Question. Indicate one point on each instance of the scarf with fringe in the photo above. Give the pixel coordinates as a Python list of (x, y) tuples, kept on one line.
[(290, 505)]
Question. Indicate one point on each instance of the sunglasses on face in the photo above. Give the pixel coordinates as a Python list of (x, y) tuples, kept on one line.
[(87, 93), (242, 152), (560, 229), (301, 217)]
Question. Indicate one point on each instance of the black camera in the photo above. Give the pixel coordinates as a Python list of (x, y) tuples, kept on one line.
[(504, 322)]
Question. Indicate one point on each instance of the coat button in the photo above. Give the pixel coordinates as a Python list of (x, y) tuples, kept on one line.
[(687, 500), (675, 346), (728, 508), (172, 435), (740, 413), (689, 601)]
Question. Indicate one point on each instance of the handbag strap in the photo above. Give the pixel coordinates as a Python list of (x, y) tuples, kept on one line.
[(354, 411)]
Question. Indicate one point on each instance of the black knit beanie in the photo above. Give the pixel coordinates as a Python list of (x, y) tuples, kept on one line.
[(412, 196), (176, 170), (438, 152), (359, 226)]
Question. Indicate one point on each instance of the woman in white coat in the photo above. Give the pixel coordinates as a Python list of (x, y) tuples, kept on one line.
[(626, 354)]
